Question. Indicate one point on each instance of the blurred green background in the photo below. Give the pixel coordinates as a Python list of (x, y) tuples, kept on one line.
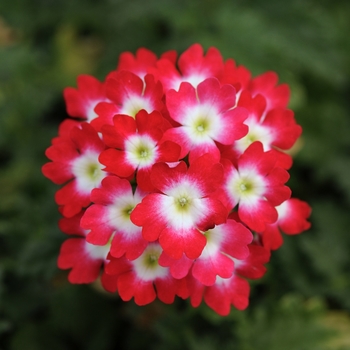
[(303, 302)]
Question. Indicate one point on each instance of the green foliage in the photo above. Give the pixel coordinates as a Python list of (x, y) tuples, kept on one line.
[(44, 45), (289, 324)]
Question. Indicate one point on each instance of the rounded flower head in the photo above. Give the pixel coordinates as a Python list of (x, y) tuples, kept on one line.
[(173, 176)]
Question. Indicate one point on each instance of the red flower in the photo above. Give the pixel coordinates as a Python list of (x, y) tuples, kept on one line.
[(128, 94), (75, 164), (257, 186), (136, 146), (253, 265), (143, 278), (194, 67), (225, 243), (81, 102), (184, 206), (206, 114), (292, 220), (138, 64), (237, 76), (108, 219), (84, 259), (220, 296), (276, 130), (265, 84)]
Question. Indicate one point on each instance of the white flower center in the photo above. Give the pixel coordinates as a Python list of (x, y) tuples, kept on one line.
[(243, 187), (119, 214), (183, 205), (141, 150), (193, 79), (146, 266), (201, 123), (246, 185), (183, 201), (283, 209), (97, 251), (88, 171), (257, 132), (133, 104), (222, 281), (214, 238), (90, 113)]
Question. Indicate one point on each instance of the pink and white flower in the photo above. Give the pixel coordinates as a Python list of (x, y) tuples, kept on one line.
[(128, 94), (75, 164), (257, 186), (277, 96), (84, 259), (253, 266), (292, 219), (136, 145), (276, 130), (194, 67), (185, 206), (143, 278), (225, 243), (81, 102), (233, 290), (108, 219), (221, 295), (206, 115), (138, 64)]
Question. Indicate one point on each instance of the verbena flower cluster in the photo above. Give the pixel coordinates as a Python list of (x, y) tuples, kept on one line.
[(174, 176)]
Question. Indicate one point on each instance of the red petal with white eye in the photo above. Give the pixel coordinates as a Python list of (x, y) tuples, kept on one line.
[(81, 102), (206, 114), (108, 219), (85, 260)]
